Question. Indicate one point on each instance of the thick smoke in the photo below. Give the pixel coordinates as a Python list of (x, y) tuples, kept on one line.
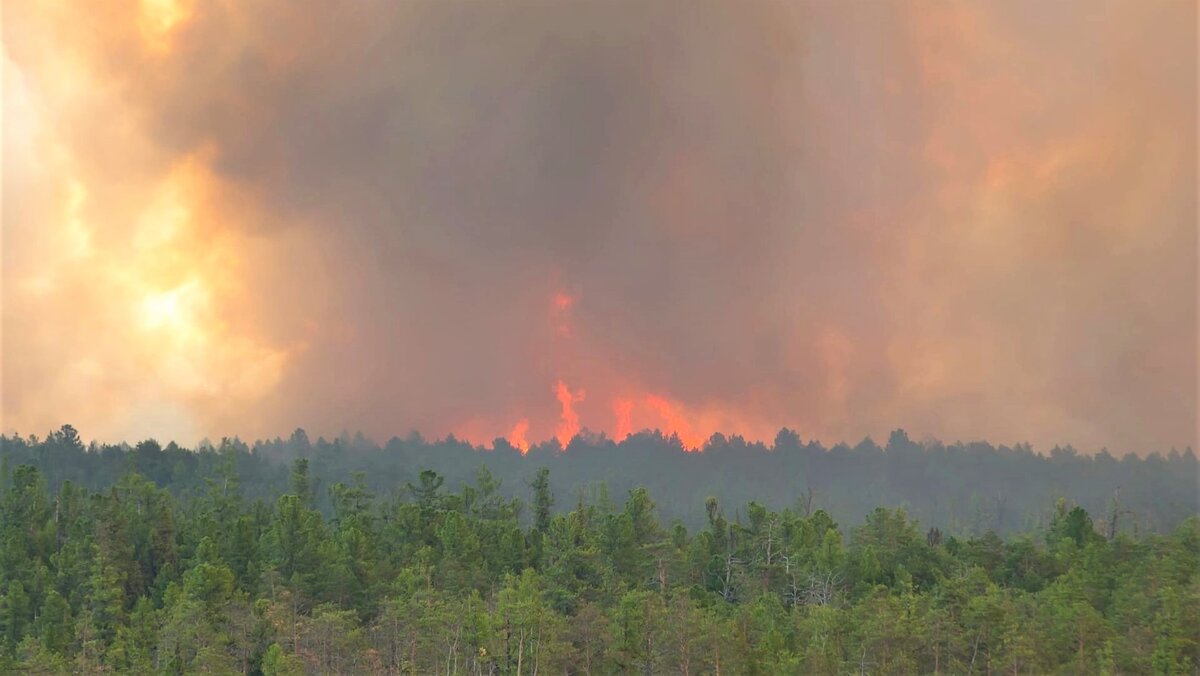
[(969, 221)]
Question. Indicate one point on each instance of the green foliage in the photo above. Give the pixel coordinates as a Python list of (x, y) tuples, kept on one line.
[(138, 579), (958, 489)]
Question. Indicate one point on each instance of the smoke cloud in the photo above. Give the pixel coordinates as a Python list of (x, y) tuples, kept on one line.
[(967, 220)]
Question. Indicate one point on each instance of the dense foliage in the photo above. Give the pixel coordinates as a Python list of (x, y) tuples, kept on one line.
[(196, 577), (963, 489)]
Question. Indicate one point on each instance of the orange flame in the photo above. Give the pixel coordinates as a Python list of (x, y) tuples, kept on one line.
[(569, 426), (517, 438), (673, 417), (623, 410)]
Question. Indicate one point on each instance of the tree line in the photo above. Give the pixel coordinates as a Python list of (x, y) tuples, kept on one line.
[(963, 489), (480, 578)]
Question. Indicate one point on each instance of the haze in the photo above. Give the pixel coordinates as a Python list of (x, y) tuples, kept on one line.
[(520, 220)]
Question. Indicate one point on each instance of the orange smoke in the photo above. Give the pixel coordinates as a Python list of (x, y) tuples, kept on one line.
[(562, 301), (560, 312), (225, 264), (158, 20), (517, 437), (568, 427)]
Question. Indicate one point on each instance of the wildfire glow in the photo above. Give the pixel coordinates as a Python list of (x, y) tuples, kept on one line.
[(560, 313), (186, 230), (562, 301), (149, 262), (568, 426), (675, 422), (623, 410), (517, 437), (158, 19), (174, 309), (78, 236)]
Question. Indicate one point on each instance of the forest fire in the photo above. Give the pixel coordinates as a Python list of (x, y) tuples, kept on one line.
[(655, 412), (233, 198), (781, 337), (623, 409), (569, 425), (650, 410), (675, 421), (516, 437)]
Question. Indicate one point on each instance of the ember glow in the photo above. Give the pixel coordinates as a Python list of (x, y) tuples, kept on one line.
[(970, 220)]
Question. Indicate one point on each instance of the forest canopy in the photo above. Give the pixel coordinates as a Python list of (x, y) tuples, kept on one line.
[(291, 557), (960, 488)]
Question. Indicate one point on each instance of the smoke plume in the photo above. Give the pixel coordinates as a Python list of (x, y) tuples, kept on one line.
[(970, 220)]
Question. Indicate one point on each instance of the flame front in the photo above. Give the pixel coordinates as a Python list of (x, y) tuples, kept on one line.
[(568, 426), (675, 421), (623, 411), (517, 436)]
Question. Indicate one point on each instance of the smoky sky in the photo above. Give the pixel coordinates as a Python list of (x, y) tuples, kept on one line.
[(967, 220)]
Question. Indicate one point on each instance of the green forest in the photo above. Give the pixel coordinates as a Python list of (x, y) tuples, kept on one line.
[(960, 488), (416, 557)]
